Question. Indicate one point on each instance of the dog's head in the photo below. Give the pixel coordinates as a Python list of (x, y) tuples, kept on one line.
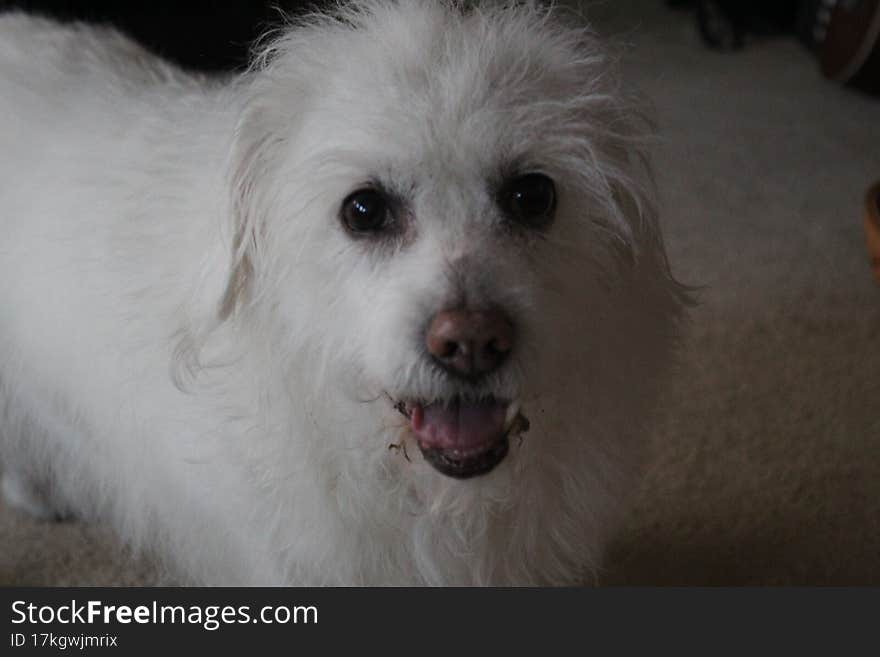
[(443, 213)]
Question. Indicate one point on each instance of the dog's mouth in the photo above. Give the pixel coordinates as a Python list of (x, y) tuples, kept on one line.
[(462, 438)]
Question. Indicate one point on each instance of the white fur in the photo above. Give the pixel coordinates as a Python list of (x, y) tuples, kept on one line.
[(193, 349)]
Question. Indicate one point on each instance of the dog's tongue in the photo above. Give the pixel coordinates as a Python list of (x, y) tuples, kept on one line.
[(460, 425)]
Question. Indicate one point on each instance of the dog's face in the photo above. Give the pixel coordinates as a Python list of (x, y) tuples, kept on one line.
[(440, 209)]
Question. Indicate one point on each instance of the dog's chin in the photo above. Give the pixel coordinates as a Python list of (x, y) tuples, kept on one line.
[(463, 438)]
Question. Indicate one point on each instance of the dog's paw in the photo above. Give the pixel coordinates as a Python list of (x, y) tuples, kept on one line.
[(23, 496)]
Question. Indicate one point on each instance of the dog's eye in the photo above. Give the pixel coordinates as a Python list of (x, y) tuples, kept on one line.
[(365, 211), (530, 199)]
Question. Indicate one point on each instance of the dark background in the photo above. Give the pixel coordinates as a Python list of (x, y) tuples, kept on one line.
[(217, 36), (196, 35)]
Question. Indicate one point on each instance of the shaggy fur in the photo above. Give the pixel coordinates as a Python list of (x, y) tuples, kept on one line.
[(193, 348)]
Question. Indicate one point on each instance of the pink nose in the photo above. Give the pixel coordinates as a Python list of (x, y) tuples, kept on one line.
[(470, 343)]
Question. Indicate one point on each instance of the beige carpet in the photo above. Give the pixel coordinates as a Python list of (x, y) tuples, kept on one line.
[(768, 459)]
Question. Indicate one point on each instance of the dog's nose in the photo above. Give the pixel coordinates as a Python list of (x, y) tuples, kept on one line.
[(470, 343)]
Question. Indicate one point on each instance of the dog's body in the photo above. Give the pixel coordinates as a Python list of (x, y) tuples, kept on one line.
[(195, 347)]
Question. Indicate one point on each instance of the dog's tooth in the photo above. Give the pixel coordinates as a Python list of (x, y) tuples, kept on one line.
[(512, 412)]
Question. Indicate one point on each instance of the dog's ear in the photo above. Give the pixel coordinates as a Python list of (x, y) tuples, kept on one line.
[(250, 168), (249, 162)]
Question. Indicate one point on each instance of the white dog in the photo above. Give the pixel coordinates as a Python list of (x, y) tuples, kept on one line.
[(390, 308)]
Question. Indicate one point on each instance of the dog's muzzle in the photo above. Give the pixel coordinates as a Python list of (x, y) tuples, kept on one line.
[(466, 437)]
